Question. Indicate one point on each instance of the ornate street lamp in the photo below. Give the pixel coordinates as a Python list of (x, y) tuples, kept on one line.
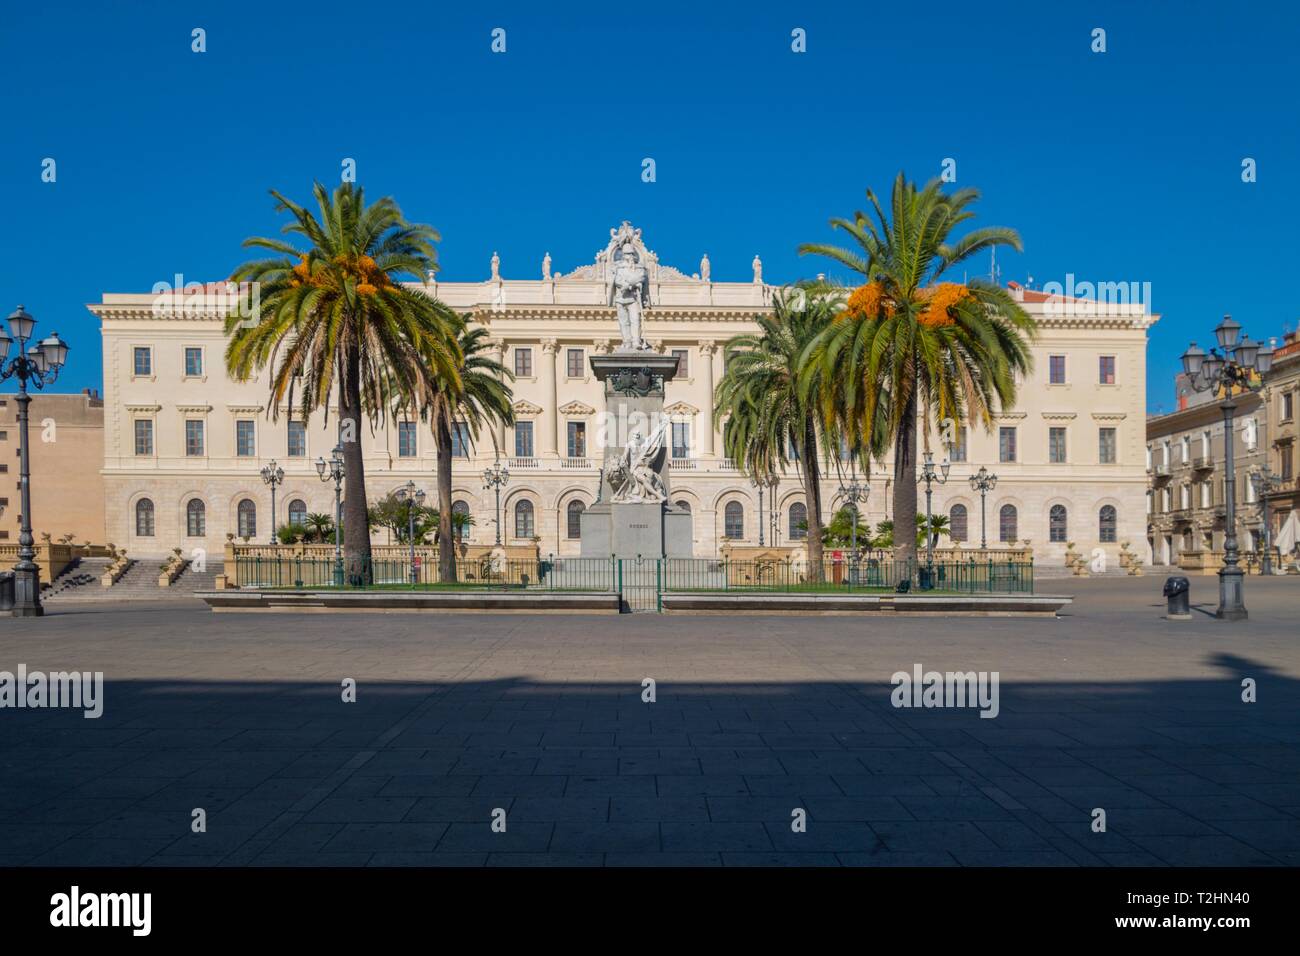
[(773, 516), (1239, 367), (414, 498), (931, 477), (494, 479), (1265, 482), (854, 492), (332, 470), (983, 481), (273, 475), (760, 483), (39, 365)]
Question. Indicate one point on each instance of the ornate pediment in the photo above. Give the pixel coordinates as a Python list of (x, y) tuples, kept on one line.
[(525, 407), (1109, 416), (245, 409), (1010, 416), (577, 408), (1060, 416), (605, 258), (681, 409)]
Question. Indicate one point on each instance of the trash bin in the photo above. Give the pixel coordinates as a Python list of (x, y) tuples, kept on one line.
[(1178, 595), (6, 590)]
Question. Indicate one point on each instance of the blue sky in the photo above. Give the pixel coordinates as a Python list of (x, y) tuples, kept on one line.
[(1122, 166)]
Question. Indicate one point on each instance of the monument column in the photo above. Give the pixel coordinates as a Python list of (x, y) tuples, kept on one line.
[(550, 414), (707, 348), (497, 352)]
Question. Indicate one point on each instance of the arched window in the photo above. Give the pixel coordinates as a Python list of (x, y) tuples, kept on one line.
[(460, 526), (957, 523), (1107, 520), (523, 519), (196, 518), (1057, 526), (733, 522), (144, 518), (247, 518), (1008, 525), (574, 523), (798, 521), (298, 513)]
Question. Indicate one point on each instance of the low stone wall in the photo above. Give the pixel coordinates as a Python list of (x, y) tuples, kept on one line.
[(453, 602), (742, 602), (471, 560), (52, 559)]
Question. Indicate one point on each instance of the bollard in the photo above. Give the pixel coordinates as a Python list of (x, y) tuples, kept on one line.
[(1178, 595)]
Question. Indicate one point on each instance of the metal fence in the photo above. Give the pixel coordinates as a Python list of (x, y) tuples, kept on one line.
[(642, 580)]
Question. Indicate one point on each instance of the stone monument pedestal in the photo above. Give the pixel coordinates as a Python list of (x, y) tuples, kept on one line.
[(634, 402)]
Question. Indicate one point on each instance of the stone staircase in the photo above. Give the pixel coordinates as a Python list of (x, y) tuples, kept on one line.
[(190, 580), (79, 579)]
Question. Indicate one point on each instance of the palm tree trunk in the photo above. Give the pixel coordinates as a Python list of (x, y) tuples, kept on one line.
[(356, 524), (812, 491), (905, 484), (446, 531)]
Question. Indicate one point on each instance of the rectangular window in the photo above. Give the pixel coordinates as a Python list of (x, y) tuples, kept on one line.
[(1007, 443), (245, 438), (681, 439), (460, 440), (577, 439), (1106, 370), (297, 440), (1286, 453), (143, 361), (1056, 370), (958, 450), (683, 357), (406, 442), (574, 359), (1056, 446), (143, 436), (523, 439), (1288, 405), (193, 361), (193, 438), (523, 363), (1106, 446)]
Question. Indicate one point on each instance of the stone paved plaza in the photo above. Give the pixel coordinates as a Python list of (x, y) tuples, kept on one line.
[(1109, 707)]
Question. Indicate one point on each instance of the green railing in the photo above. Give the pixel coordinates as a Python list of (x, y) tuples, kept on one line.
[(641, 580)]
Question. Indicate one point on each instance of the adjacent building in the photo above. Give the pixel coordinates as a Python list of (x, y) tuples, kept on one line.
[(67, 447), (1281, 397), (184, 444)]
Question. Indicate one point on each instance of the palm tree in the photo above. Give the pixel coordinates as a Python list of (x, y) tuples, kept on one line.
[(319, 526), (332, 316), (476, 398), (768, 398), (913, 344)]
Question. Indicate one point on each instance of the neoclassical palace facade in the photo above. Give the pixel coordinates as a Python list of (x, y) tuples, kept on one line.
[(184, 444)]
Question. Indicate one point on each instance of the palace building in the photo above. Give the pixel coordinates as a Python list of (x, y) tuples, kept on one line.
[(184, 444)]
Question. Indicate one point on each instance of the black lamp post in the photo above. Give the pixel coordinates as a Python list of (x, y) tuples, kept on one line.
[(273, 475), (1265, 482), (983, 481), (40, 365), (854, 492), (414, 498), (494, 479), (1238, 367), (332, 470), (931, 477), (759, 483)]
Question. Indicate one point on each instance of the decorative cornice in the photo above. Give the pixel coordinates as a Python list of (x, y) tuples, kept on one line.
[(577, 408), (684, 409), (203, 409), (525, 407), (1109, 416), (245, 409), (1060, 416), (143, 408), (1011, 416)]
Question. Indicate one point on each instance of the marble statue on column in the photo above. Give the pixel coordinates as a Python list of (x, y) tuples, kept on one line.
[(546, 267), (705, 269), (758, 270), (629, 292), (496, 266)]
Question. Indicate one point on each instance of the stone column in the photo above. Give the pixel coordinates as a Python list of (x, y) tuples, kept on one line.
[(550, 413), (707, 350), (497, 351)]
